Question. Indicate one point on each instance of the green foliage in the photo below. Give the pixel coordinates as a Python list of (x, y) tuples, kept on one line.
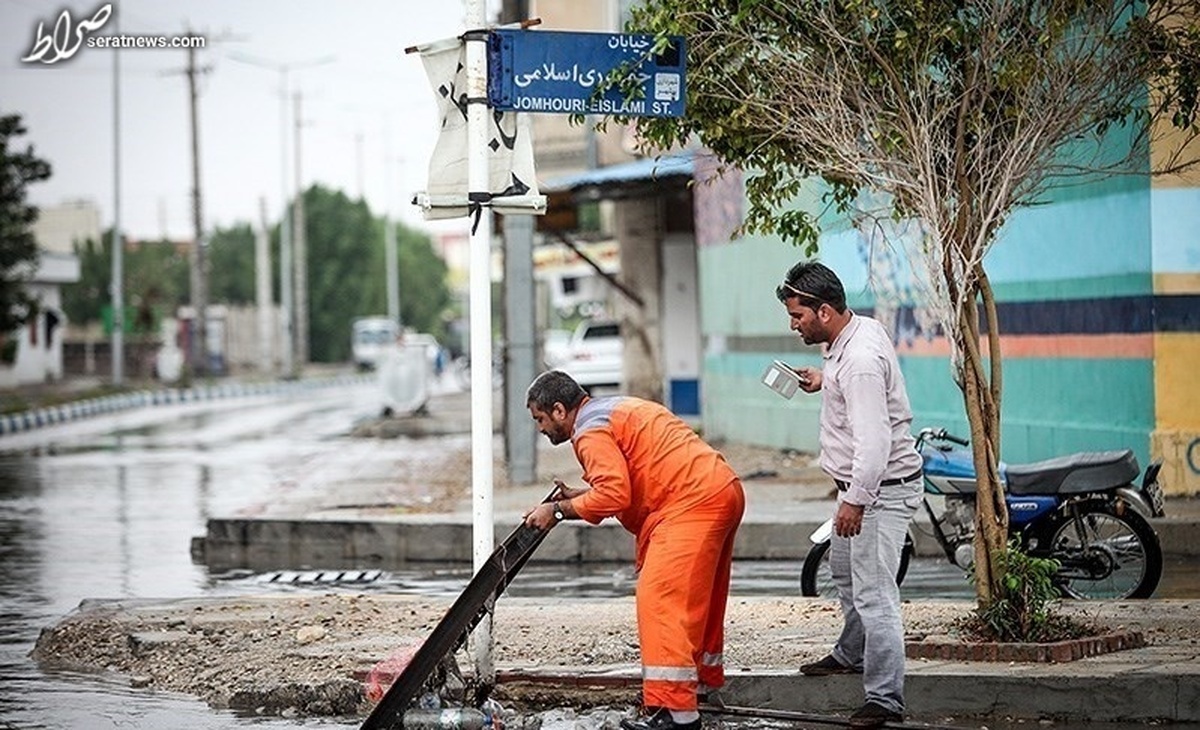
[(83, 300), (1022, 610), (346, 273), (954, 100), (155, 285), (18, 248), (345, 269), (231, 265)]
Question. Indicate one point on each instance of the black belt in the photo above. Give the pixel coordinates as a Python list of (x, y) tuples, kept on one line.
[(843, 486)]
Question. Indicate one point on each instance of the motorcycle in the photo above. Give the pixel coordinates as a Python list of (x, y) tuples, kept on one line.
[(1084, 510)]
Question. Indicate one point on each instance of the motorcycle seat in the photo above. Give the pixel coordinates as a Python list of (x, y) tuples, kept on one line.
[(1086, 471)]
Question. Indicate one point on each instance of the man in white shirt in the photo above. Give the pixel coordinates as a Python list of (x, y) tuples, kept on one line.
[(868, 449)]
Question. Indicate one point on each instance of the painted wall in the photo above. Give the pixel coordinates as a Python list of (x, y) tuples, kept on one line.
[(1175, 217), (1098, 296)]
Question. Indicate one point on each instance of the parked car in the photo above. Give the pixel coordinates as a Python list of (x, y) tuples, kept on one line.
[(556, 346), (370, 338), (595, 354)]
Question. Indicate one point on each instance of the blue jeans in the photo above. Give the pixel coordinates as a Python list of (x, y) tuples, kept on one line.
[(864, 571)]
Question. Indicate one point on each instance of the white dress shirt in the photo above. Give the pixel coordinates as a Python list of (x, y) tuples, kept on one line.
[(866, 422)]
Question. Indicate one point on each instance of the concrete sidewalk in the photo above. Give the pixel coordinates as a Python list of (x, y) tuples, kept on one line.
[(787, 497), (783, 507), (1155, 682)]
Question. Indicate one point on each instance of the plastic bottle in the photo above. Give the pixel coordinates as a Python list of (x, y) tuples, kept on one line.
[(450, 718)]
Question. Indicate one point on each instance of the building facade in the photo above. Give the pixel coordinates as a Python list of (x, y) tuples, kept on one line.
[(1099, 307)]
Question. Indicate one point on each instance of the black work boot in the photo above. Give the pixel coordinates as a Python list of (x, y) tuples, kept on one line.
[(872, 715), (660, 720), (827, 665)]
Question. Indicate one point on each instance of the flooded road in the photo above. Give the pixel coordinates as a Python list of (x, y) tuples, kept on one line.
[(107, 508)]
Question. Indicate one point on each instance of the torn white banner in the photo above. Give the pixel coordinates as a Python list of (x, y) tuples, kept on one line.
[(511, 177)]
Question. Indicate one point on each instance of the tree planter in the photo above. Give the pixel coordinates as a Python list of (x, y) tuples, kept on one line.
[(952, 649)]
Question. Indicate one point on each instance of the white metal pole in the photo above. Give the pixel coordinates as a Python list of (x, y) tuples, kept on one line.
[(262, 290), (118, 251), (480, 303), (288, 350)]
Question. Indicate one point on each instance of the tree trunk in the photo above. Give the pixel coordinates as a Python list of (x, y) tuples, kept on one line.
[(981, 396)]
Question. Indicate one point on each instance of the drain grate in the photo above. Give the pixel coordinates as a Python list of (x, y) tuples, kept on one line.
[(307, 577)]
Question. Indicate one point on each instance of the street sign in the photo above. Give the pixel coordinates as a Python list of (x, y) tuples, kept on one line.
[(557, 72)]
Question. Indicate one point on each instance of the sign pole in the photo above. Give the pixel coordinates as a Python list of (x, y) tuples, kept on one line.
[(480, 312)]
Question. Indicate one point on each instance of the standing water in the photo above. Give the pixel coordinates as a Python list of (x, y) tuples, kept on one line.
[(107, 508)]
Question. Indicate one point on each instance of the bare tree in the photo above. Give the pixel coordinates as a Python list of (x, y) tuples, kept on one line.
[(948, 113)]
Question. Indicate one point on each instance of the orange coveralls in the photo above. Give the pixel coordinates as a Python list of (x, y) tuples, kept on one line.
[(647, 468)]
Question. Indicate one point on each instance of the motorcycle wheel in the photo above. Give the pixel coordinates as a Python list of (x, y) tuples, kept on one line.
[(1119, 553), (816, 579)]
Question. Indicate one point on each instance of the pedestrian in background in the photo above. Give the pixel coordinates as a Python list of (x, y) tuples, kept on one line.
[(682, 501), (868, 449)]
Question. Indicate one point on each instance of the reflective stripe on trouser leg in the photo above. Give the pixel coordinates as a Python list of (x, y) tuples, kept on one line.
[(680, 583), (711, 670)]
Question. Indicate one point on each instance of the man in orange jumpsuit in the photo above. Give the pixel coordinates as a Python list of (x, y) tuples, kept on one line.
[(650, 470)]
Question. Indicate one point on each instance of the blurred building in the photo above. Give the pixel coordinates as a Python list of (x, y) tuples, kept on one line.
[(38, 356)]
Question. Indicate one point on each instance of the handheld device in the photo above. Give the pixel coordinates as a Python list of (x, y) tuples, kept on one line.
[(782, 379)]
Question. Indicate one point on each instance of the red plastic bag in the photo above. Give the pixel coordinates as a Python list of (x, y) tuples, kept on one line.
[(381, 676)]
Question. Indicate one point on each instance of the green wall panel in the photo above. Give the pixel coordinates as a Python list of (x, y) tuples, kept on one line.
[(1051, 407)]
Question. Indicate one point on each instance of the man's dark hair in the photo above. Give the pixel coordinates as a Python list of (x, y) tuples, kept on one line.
[(554, 386), (814, 284)]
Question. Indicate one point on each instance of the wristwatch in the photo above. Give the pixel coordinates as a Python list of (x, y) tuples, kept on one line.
[(558, 513)]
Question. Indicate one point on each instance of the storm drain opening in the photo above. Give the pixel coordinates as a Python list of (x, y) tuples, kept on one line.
[(323, 577)]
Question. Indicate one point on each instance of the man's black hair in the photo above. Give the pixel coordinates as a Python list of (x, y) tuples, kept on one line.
[(814, 284), (554, 386)]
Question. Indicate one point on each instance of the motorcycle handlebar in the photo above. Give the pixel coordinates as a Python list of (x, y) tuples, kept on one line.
[(940, 434), (955, 439)]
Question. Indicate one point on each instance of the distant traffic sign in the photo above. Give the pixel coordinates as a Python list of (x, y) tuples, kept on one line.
[(558, 72)]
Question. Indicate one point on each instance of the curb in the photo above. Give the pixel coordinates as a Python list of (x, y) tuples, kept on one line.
[(1057, 652), (932, 689), (52, 415)]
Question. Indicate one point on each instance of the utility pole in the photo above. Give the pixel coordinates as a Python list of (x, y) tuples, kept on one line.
[(299, 240), (262, 291), (199, 276), (288, 353), (358, 163), (391, 263), (287, 277), (520, 331)]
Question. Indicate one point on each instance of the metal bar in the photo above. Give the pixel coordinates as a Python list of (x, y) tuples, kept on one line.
[(472, 606), (765, 713)]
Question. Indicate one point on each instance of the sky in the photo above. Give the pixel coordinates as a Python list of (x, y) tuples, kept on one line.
[(369, 118)]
